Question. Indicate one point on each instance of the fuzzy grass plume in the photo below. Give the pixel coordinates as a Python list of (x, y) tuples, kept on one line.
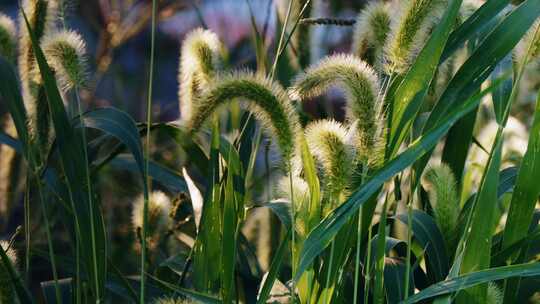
[(41, 16), (159, 207), (444, 199), (7, 290), (410, 31), (65, 51), (8, 38), (200, 58), (266, 99), (9, 171), (327, 140), (370, 32), (361, 85)]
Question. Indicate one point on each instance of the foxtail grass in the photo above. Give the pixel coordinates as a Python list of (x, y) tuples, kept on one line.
[(8, 38)]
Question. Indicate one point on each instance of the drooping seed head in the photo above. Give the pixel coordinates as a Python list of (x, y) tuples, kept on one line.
[(200, 58), (65, 52), (370, 31), (444, 199), (7, 291), (9, 170), (327, 140), (409, 31), (159, 207), (8, 38), (264, 98), (360, 83)]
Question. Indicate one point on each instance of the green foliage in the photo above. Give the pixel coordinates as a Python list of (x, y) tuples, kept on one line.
[(339, 233)]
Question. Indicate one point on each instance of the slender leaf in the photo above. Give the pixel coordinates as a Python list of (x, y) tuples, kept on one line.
[(475, 278), (322, 235)]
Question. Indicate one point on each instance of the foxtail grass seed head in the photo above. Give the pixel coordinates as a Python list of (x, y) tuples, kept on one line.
[(327, 140), (9, 171), (370, 31), (530, 40), (494, 294), (159, 207), (8, 38), (172, 300), (41, 16), (200, 58), (444, 199), (7, 291), (360, 83), (65, 52), (409, 31), (266, 99)]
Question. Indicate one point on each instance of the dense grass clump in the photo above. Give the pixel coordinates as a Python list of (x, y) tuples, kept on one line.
[(407, 184)]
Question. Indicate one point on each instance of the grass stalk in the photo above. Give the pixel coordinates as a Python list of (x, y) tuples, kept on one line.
[(293, 232), (147, 149)]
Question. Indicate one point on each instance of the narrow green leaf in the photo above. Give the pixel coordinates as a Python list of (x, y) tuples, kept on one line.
[(274, 268), (482, 18), (477, 243), (410, 94), (475, 278), (428, 235), (323, 234), (88, 217)]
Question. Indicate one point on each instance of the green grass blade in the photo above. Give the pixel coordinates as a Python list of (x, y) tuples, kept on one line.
[(526, 190), (410, 94), (428, 235), (498, 44), (475, 278), (274, 268), (478, 237), (482, 18), (323, 234), (88, 216)]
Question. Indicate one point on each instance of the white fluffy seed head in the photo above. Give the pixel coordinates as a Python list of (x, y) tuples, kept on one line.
[(361, 86), (65, 52), (159, 207), (328, 141), (409, 32), (8, 38), (370, 31), (201, 56), (266, 99)]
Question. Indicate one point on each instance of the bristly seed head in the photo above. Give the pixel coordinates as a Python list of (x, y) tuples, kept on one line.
[(159, 207), (444, 199), (410, 31), (200, 58), (7, 290), (327, 140), (361, 85), (370, 32), (266, 99), (65, 52), (8, 38)]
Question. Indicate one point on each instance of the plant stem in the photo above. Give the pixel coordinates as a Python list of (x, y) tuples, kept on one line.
[(293, 232), (147, 149)]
